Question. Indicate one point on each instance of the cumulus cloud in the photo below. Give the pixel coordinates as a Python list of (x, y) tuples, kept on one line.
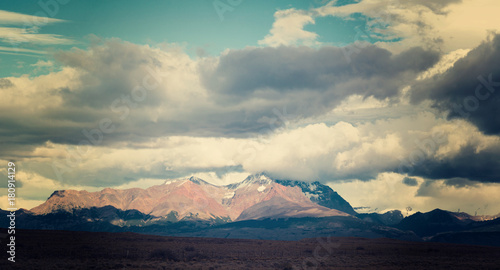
[(394, 24), (107, 74), (455, 149), (411, 21), (43, 65), (160, 91), (152, 89), (288, 29), (440, 25)]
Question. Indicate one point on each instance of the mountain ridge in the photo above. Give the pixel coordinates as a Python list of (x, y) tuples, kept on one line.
[(196, 198)]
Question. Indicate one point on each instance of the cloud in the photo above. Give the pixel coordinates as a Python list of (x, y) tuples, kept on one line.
[(243, 93), (14, 18), (469, 89), (247, 111), (27, 101), (466, 164), (288, 29), (446, 62), (398, 25), (379, 125), (455, 149), (387, 192), (305, 76), (418, 145), (17, 29), (16, 36), (340, 151), (409, 181), (394, 24), (100, 84), (459, 182), (8, 50), (5, 83), (42, 65)]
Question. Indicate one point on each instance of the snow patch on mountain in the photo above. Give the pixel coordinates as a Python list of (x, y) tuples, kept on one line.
[(229, 195), (171, 181), (311, 195)]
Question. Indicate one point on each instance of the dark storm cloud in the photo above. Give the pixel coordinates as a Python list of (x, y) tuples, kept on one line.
[(470, 89), (459, 182), (409, 181), (470, 164), (262, 71), (429, 188)]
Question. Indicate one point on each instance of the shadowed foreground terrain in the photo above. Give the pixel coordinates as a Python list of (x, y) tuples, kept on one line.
[(36, 249)]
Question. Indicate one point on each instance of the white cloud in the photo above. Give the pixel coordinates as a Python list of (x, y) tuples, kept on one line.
[(449, 26), (17, 29), (8, 17), (459, 134), (446, 62), (288, 29), (43, 65), (468, 24), (15, 36), (20, 50), (358, 103), (34, 94), (388, 192)]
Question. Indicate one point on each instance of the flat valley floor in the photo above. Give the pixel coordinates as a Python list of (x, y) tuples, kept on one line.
[(45, 249)]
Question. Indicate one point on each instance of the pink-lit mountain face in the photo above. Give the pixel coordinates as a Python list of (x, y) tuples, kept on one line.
[(257, 197)]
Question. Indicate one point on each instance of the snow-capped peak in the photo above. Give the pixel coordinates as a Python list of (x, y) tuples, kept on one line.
[(260, 178)]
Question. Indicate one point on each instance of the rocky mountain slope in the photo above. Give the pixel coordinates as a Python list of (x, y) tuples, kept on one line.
[(258, 196)]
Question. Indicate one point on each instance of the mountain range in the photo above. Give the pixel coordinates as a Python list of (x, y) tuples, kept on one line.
[(259, 207), (256, 197)]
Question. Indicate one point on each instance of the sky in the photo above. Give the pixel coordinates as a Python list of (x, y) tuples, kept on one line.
[(391, 103)]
